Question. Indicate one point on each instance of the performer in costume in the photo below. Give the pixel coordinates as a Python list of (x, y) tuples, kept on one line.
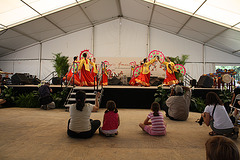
[(86, 79), (94, 70), (170, 75), (104, 80), (132, 82), (74, 69), (144, 76)]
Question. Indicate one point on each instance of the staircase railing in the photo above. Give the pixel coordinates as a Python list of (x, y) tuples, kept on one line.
[(187, 79)]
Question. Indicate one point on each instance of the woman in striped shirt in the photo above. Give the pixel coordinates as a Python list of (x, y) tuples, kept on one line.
[(157, 125)]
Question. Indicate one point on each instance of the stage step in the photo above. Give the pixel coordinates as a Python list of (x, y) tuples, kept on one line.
[(90, 96), (87, 99)]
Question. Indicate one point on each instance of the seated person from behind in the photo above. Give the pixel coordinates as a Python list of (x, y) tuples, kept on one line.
[(45, 99), (177, 105), (111, 120), (154, 124), (80, 125), (2, 101), (236, 103), (216, 116)]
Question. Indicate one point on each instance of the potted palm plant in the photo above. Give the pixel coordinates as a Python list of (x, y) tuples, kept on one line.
[(60, 63), (182, 61)]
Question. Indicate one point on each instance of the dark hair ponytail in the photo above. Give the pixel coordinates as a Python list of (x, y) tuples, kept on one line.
[(155, 107), (80, 100), (111, 106), (212, 98)]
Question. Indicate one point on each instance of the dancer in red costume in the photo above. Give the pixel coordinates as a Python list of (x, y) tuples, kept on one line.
[(94, 70), (144, 77), (86, 79), (132, 82), (73, 70), (170, 75), (104, 80)]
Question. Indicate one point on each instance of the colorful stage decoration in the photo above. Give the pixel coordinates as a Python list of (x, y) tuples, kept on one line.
[(137, 71), (106, 63), (109, 71), (89, 55), (225, 71), (181, 68), (74, 67), (156, 53), (133, 64)]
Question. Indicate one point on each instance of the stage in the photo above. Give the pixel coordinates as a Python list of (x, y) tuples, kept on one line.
[(125, 96)]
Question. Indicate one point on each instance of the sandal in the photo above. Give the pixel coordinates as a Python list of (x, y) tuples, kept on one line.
[(212, 133)]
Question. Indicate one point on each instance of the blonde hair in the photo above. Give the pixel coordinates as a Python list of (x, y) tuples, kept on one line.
[(221, 148)]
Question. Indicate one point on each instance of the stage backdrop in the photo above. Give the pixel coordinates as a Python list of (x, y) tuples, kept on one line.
[(122, 64)]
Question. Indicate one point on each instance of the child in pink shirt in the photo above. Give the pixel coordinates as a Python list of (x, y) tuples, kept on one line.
[(156, 126), (110, 120)]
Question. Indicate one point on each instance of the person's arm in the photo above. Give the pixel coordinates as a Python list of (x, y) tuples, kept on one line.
[(172, 92), (96, 107), (206, 118), (186, 88), (118, 120), (146, 122), (150, 62), (233, 99)]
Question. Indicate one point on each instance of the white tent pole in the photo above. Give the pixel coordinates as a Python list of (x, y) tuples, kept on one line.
[(204, 58), (40, 61), (93, 39), (120, 29), (148, 40)]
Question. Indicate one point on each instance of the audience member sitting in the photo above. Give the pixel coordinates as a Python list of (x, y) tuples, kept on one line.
[(177, 105), (221, 148), (46, 99), (111, 120), (217, 117), (236, 104), (2, 101), (156, 126), (80, 125)]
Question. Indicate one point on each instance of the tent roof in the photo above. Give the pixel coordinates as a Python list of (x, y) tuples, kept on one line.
[(214, 23)]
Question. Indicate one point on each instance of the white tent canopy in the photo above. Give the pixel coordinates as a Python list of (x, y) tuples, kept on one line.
[(31, 30)]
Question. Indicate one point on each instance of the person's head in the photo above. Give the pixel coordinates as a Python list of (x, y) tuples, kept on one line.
[(144, 60), (168, 59), (178, 90), (111, 106), (212, 99), (85, 55), (75, 58), (221, 148), (94, 59), (155, 107), (80, 100), (47, 83)]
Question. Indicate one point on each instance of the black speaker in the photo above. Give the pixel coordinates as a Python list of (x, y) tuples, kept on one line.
[(20, 78), (193, 82), (205, 82), (114, 81), (56, 80), (154, 81)]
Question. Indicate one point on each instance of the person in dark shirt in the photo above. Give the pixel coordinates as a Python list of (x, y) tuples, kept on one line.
[(46, 99)]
